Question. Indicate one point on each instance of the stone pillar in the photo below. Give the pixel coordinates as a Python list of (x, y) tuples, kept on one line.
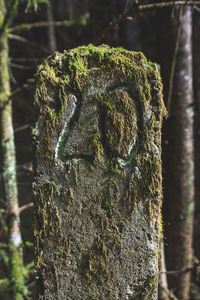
[(97, 185)]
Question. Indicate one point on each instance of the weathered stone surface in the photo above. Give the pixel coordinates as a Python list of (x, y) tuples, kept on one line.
[(98, 175)]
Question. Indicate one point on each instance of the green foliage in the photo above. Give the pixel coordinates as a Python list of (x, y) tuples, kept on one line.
[(33, 4), (4, 284), (17, 274), (4, 256)]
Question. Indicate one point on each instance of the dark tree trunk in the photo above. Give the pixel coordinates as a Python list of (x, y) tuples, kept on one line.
[(196, 83), (180, 189), (51, 28)]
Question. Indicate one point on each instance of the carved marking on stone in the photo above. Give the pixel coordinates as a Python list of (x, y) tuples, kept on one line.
[(119, 131)]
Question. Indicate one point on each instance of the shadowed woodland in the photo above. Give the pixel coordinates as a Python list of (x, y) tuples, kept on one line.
[(168, 34)]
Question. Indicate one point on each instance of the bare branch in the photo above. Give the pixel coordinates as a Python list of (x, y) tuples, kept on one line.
[(140, 7), (25, 206), (195, 267), (111, 25), (21, 67), (168, 4), (23, 40), (67, 23), (21, 128), (24, 86), (197, 8), (169, 293)]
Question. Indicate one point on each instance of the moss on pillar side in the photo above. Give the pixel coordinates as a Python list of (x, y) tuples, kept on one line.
[(98, 174)]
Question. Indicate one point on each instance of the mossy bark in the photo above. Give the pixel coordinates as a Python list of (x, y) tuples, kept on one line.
[(15, 275), (97, 175)]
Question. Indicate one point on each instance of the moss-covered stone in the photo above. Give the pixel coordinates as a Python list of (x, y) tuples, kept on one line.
[(98, 174)]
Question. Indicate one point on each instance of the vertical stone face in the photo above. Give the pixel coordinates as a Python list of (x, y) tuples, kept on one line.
[(97, 175)]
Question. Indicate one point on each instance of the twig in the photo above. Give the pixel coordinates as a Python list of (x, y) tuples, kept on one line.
[(67, 23), (31, 284), (24, 86), (25, 206), (197, 8), (23, 40), (18, 90), (21, 128), (168, 4), (21, 67), (122, 17), (183, 270), (27, 59), (140, 7), (169, 293)]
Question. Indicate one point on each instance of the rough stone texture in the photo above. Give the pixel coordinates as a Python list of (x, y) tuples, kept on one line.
[(97, 175)]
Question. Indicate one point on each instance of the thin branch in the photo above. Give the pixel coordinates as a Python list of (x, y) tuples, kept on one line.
[(121, 18), (67, 23), (197, 8), (27, 59), (21, 128), (26, 85), (168, 4), (18, 90), (23, 40), (21, 67), (140, 7), (183, 270), (25, 206), (169, 293)]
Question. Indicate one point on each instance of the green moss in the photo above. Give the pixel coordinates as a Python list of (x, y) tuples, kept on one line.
[(149, 288), (112, 165), (48, 231), (97, 263), (16, 273), (4, 285), (96, 144), (108, 102)]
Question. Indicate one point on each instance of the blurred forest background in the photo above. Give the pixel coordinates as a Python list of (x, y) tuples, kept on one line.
[(168, 33)]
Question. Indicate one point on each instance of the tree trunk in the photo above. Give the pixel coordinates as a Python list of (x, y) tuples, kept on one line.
[(180, 189), (15, 269), (51, 27), (196, 72), (98, 175)]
